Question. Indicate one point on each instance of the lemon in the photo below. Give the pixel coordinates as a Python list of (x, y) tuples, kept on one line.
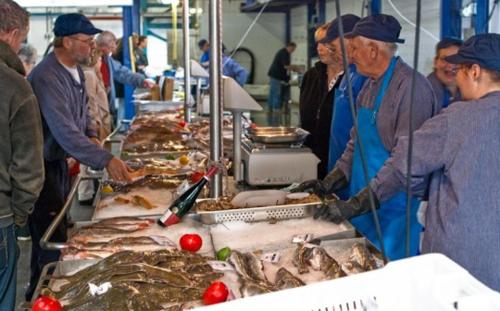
[(107, 189), (184, 160)]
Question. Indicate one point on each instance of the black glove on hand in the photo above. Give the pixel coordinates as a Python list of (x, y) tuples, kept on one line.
[(338, 210), (334, 181)]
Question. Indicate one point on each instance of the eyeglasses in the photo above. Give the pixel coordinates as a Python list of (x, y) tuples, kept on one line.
[(89, 41)]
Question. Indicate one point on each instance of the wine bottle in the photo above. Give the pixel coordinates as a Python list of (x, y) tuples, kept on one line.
[(185, 201)]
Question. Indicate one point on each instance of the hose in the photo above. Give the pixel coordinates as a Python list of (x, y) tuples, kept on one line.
[(410, 129)]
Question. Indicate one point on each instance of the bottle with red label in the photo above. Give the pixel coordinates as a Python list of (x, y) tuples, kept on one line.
[(185, 201)]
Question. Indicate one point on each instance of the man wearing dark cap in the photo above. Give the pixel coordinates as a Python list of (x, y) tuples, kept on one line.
[(383, 115), (58, 84), (459, 148), (443, 78)]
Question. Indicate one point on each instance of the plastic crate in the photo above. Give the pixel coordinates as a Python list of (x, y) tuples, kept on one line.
[(428, 282)]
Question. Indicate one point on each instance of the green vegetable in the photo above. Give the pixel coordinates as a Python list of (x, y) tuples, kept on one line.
[(223, 253), (169, 157)]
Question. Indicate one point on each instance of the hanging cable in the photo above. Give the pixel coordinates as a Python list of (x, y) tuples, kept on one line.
[(247, 31), (430, 34), (356, 130), (410, 129), (495, 3)]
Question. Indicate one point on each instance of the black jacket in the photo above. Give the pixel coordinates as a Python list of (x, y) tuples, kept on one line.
[(316, 107)]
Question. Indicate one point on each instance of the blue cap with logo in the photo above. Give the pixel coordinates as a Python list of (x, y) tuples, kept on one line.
[(73, 23), (348, 22), (483, 49), (380, 27)]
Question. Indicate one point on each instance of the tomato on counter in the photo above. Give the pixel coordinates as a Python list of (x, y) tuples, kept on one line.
[(191, 242), (46, 303), (217, 292)]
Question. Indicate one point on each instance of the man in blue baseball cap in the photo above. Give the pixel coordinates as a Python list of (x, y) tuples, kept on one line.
[(58, 84), (383, 117), (443, 77), (459, 148)]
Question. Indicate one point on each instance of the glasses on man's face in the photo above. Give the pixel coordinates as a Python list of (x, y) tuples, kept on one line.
[(89, 41)]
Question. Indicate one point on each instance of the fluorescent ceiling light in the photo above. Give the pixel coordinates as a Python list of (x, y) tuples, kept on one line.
[(173, 2), (73, 3)]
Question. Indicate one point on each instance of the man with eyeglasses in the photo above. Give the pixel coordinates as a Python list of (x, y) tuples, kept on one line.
[(58, 84)]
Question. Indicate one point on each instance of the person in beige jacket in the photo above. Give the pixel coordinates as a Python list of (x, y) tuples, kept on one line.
[(98, 98), (99, 112)]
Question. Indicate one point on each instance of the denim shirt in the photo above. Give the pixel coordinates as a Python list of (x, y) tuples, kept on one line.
[(65, 118)]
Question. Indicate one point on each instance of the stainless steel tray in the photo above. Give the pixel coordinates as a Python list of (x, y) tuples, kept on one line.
[(274, 135), (143, 106), (252, 214), (52, 269)]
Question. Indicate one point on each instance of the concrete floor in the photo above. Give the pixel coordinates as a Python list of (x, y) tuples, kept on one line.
[(82, 213)]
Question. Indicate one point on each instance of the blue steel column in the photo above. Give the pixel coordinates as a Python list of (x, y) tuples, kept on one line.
[(451, 20), (481, 19), (321, 12), (131, 18), (375, 7)]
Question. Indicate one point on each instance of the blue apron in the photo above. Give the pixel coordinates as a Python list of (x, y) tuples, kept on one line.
[(340, 127), (392, 213)]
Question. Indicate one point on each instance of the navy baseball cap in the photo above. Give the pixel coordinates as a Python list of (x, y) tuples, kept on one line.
[(483, 49), (73, 23), (380, 27), (332, 33)]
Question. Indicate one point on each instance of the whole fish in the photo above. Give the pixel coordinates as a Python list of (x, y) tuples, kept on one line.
[(361, 254), (320, 260), (285, 279), (301, 256)]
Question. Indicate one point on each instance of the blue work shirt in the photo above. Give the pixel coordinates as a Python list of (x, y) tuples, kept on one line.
[(65, 118), (342, 117), (459, 149), (205, 58), (231, 68), (122, 74), (443, 95), (234, 70)]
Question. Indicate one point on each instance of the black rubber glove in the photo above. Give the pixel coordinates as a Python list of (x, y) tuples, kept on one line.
[(334, 181), (338, 210)]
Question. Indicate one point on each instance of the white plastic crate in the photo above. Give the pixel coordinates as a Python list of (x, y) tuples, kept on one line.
[(428, 282)]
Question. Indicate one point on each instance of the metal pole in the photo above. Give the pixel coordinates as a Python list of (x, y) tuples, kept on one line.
[(215, 93), (187, 62), (237, 146), (198, 96)]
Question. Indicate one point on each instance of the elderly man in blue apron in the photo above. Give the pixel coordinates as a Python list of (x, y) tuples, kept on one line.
[(383, 115)]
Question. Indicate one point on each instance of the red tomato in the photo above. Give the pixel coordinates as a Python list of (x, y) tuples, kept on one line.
[(46, 303), (182, 123), (196, 176), (190, 242), (217, 292)]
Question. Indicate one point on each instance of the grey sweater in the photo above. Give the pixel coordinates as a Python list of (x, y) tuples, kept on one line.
[(21, 152)]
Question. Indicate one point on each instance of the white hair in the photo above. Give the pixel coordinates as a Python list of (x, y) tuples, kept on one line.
[(105, 38), (388, 47)]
